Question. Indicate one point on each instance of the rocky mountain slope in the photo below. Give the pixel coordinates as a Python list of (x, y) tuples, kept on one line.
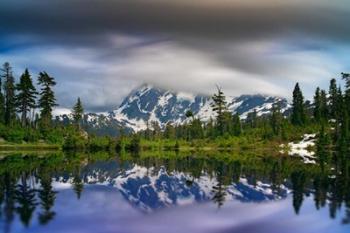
[(151, 104)]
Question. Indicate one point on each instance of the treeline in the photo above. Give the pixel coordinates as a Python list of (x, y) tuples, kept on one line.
[(26, 116), (26, 112), (224, 125), (331, 112), (327, 114)]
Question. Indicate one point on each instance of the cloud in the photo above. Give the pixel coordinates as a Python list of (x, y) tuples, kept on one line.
[(228, 20), (100, 50)]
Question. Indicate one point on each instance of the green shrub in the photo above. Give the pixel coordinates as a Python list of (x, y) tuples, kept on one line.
[(55, 136), (16, 135), (31, 135), (74, 142), (3, 131), (100, 143)]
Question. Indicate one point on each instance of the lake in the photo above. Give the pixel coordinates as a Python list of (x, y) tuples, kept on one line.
[(93, 193)]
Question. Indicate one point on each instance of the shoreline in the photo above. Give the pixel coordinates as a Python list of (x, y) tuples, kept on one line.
[(29, 147)]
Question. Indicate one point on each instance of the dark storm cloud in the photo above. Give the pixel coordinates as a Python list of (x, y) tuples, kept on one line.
[(90, 20), (102, 49)]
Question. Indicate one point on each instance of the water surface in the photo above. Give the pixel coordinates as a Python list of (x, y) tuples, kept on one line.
[(130, 193)]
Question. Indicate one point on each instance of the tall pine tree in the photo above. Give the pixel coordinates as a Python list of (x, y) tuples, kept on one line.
[(25, 99), (78, 112), (346, 77), (219, 106), (276, 120), (333, 100), (2, 101), (237, 126), (9, 93), (299, 113), (47, 98), (317, 105), (320, 106), (324, 105)]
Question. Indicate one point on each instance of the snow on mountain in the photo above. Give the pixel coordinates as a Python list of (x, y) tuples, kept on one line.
[(245, 104), (149, 104)]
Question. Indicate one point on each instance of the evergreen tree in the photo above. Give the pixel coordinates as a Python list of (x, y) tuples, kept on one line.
[(298, 114), (196, 129), (237, 127), (25, 99), (227, 123), (317, 105), (219, 106), (47, 98), (169, 131), (189, 114), (346, 77), (9, 92), (252, 119), (323, 106), (333, 99), (148, 131), (77, 113), (339, 110), (156, 133), (340, 106), (209, 128), (2, 103), (320, 106), (276, 120)]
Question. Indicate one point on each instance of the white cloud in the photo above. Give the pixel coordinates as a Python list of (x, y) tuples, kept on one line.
[(60, 111), (102, 76)]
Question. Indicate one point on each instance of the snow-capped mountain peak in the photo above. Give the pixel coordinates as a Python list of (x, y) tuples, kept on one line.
[(147, 105), (150, 104)]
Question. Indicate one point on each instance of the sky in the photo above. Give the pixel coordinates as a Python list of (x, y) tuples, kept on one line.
[(100, 50)]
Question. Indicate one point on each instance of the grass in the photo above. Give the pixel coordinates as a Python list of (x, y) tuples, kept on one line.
[(7, 146), (230, 144)]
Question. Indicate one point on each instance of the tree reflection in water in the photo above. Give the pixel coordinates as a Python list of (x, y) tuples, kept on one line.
[(26, 188)]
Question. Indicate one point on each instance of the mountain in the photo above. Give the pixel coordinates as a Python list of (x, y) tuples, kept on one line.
[(148, 104), (151, 104)]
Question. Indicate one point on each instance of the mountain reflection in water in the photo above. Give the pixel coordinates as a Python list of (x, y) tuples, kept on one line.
[(103, 193)]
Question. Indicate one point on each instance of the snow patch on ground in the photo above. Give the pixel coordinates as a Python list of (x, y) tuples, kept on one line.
[(301, 148)]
